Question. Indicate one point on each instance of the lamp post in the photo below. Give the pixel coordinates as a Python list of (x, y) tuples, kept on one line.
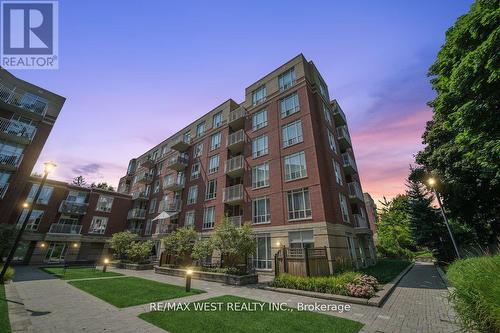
[(188, 280), (105, 265), (47, 168), (432, 184)]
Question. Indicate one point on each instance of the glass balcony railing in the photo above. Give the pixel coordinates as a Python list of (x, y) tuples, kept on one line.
[(137, 214), (233, 194), (17, 129), (10, 161), (23, 100), (355, 191), (61, 228), (234, 166), (74, 208)]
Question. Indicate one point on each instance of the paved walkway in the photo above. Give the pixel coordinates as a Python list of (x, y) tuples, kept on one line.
[(418, 304)]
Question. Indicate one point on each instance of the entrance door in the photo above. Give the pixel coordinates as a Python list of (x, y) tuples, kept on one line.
[(56, 252)]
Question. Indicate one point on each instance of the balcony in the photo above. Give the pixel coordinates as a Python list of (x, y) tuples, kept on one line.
[(177, 162), (181, 144), (136, 214), (339, 116), (233, 195), (73, 208), (16, 131), (3, 189), (25, 103), (135, 230), (236, 141), (9, 162), (234, 167), (349, 163), (237, 221), (172, 205), (142, 196), (343, 137), (237, 118), (355, 193), (144, 177), (164, 228), (174, 183), (360, 224), (68, 229), (148, 163)]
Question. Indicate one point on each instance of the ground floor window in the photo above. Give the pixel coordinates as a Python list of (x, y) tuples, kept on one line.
[(262, 258), (303, 239), (56, 252), (351, 248)]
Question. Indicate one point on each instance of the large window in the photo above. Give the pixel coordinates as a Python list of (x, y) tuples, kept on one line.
[(211, 189), (328, 115), (261, 210), (200, 129), (192, 195), (260, 175), (44, 196), (331, 141), (195, 171), (33, 222), (299, 206), (215, 140), (209, 217), (198, 150), (75, 196), (260, 146), (338, 172), (213, 164), (295, 166), (343, 208), (287, 79), (292, 133), (259, 119), (149, 225), (303, 239), (289, 105), (217, 120), (259, 95), (98, 225), (189, 219), (262, 258), (152, 206), (104, 204)]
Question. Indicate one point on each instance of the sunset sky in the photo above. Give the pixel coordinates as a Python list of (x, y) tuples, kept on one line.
[(135, 72)]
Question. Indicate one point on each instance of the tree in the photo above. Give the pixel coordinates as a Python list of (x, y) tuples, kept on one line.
[(103, 186), (80, 181), (234, 244), (7, 233), (462, 141), (202, 249), (121, 242), (139, 252), (180, 243)]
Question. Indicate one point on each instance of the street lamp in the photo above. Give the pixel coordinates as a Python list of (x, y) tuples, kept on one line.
[(432, 184), (47, 168), (188, 280), (105, 266)]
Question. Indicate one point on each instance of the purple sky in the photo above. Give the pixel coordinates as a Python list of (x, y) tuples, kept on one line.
[(135, 72)]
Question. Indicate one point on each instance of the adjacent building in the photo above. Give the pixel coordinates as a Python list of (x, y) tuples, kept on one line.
[(372, 213)]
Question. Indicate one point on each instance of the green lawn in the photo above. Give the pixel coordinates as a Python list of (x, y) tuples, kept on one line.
[(4, 312), (78, 273), (386, 269), (242, 322), (129, 291)]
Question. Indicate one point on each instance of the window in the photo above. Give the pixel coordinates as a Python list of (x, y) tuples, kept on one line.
[(328, 115), (156, 186), (217, 120), (261, 210), (289, 105), (303, 239), (149, 225), (209, 218), (44, 196), (260, 175), (295, 166), (213, 164), (198, 150), (259, 146), (192, 195), (98, 225), (287, 79), (343, 208), (159, 167), (215, 141), (76, 197), (292, 133), (338, 172), (331, 141), (351, 248), (33, 222), (324, 91), (211, 189), (200, 129), (259, 119), (298, 204), (104, 203), (262, 258), (152, 206), (195, 171), (189, 219), (259, 95)]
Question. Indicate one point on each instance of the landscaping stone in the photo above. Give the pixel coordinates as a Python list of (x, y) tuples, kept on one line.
[(236, 280)]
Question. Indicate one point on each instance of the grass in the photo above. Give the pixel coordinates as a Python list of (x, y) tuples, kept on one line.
[(4, 312), (476, 296), (386, 269), (78, 273), (242, 322), (129, 291)]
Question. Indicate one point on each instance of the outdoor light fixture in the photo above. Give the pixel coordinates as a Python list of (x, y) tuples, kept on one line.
[(278, 244), (431, 181), (75, 244), (48, 166), (105, 266), (42, 244), (26, 205), (189, 272)]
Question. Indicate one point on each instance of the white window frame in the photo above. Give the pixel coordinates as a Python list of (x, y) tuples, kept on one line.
[(198, 150), (286, 79), (195, 170), (338, 172), (260, 140), (201, 126), (259, 120), (152, 206), (331, 141), (292, 133), (299, 214), (259, 95), (261, 218), (287, 110), (189, 219), (258, 172), (211, 195), (217, 120), (34, 221), (343, 208), (290, 174), (45, 194), (327, 113), (192, 197), (104, 203), (267, 262), (209, 218), (100, 228), (213, 164), (215, 141)]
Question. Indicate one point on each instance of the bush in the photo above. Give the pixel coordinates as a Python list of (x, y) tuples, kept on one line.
[(9, 274), (139, 252), (476, 297), (180, 243), (121, 242)]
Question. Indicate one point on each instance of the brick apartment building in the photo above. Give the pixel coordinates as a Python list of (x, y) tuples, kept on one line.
[(27, 115), (281, 161), (371, 210)]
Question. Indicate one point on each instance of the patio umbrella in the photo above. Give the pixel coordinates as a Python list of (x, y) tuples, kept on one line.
[(164, 216)]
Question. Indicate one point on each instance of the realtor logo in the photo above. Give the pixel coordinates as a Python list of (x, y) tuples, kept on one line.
[(29, 36)]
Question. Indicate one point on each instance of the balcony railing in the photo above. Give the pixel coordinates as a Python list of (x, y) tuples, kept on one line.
[(360, 221), (10, 161), (349, 163), (17, 130), (164, 228), (233, 194), (236, 220), (144, 177), (174, 183), (178, 162), (24, 100), (74, 208), (148, 163), (236, 140), (339, 116), (237, 118), (234, 167), (135, 230), (343, 137), (136, 214), (61, 228), (181, 143), (3, 189), (355, 191), (142, 195), (171, 205)]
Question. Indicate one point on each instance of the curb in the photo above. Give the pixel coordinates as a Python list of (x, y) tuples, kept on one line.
[(443, 277), (382, 295)]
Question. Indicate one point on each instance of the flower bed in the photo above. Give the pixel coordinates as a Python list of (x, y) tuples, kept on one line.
[(238, 280)]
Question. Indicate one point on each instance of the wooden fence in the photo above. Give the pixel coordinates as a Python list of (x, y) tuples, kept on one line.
[(302, 262)]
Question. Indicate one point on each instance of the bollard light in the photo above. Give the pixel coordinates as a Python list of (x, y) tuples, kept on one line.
[(188, 280), (105, 266)]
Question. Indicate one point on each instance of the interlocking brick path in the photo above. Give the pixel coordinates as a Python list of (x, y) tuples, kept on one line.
[(417, 304)]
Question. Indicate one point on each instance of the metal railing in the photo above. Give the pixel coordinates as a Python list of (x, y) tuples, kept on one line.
[(17, 128), (171, 205), (338, 111), (11, 160), (23, 99), (61, 228), (348, 160), (140, 195), (144, 177), (233, 193), (233, 164), (343, 133), (164, 228), (3, 189), (235, 137), (71, 207), (237, 114), (236, 220), (355, 190), (178, 159), (136, 213), (174, 182), (181, 140), (360, 221)]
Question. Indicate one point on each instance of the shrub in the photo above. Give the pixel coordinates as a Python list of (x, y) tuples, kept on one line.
[(180, 242), (9, 274), (476, 297), (138, 252), (121, 242)]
